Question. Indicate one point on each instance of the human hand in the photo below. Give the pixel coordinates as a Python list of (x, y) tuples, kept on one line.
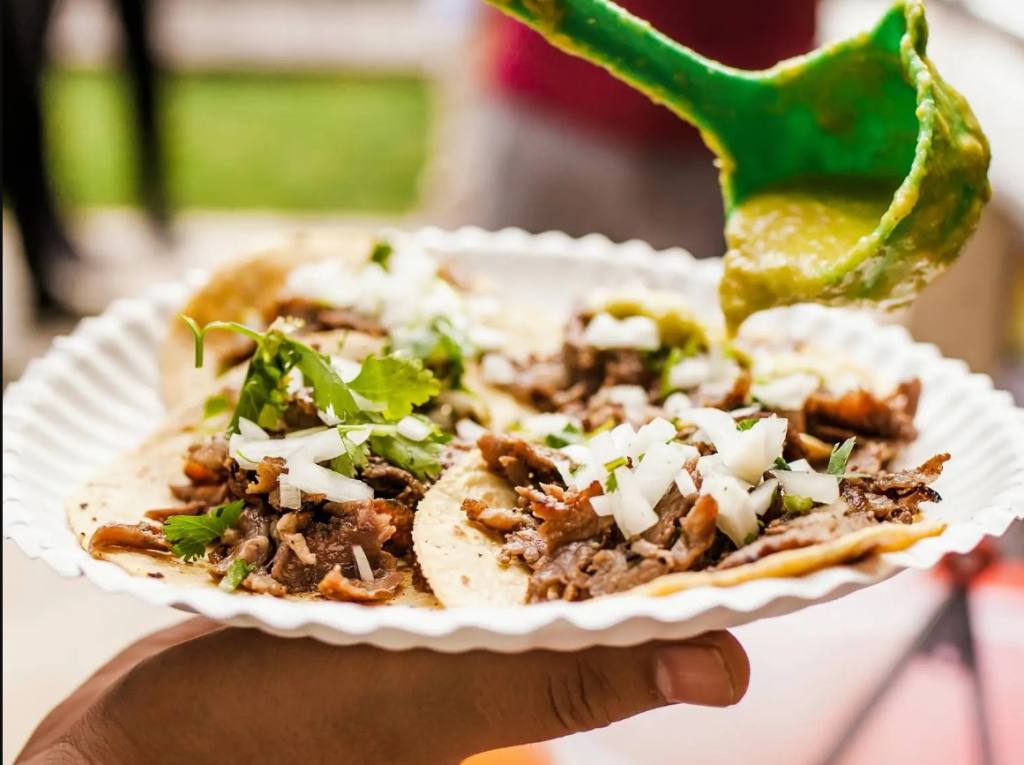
[(199, 692)]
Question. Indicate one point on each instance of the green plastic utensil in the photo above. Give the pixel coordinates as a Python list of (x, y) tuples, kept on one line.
[(850, 174)]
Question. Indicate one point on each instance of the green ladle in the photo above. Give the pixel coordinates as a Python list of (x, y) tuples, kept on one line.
[(850, 174)]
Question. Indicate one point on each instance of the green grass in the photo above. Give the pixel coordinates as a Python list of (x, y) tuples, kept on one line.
[(306, 141)]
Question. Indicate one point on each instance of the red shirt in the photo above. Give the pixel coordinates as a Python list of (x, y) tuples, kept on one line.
[(750, 34)]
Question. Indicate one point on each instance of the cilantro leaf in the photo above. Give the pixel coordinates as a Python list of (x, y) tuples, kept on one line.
[(329, 390), (237, 572), (381, 253), (781, 464), (399, 384), (421, 458), (746, 423), (840, 456), (611, 483), (439, 345), (570, 434), (190, 534), (356, 456)]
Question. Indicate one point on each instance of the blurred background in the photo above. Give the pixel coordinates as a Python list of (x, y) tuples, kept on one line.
[(145, 138)]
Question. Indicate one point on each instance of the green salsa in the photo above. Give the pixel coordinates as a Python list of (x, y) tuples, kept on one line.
[(793, 242)]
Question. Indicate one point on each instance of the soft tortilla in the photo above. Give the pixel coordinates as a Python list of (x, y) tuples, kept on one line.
[(243, 290), (138, 481), (460, 560)]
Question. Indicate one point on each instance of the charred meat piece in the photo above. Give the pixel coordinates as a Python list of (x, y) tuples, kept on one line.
[(526, 545), (519, 461), (393, 482), (337, 586), (317, 317), (144, 536), (331, 542), (501, 519), (566, 516), (895, 496), (611, 572), (162, 514), (803, 531), (207, 462), (208, 494), (697, 534), (860, 412), (268, 471), (564, 574)]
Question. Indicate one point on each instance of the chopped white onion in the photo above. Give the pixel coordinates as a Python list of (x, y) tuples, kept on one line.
[(290, 496), (605, 331), (328, 417), (578, 453), (362, 563), (789, 393), (744, 411), (358, 436), (801, 466), (468, 430), (822, 488), (314, 479), (689, 373), (657, 431), (633, 512), (657, 470), (604, 504), (250, 431), (347, 369), (622, 436), (318, 447), (761, 498), (754, 451), (487, 338), (497, 369), (677, 405), (632, 398), (736, 518), (413, 428), (543, 424), (718, 426), (684, 482)]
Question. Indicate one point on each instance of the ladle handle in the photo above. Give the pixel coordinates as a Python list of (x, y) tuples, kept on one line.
[(697, 89)]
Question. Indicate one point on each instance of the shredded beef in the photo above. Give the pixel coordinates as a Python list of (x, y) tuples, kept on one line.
[(670, 509), (697, 534), (519, 461), (267, 472), (207, 462), (301, 414), (610, 571), (860, 412), (393, 482), (802, 531), (564, 574), (331, 540), (525, 544), (500, 519), (317, 317), (337, 586), (566, 515), (895, 496), (209, 494), (145, 537), (264, 584), (162, 514)]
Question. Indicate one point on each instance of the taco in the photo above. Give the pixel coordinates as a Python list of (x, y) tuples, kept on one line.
[(385, 294), (663, 460), (297, 472)]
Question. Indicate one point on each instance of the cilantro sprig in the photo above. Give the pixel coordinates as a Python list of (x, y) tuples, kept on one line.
[(190, 534), (399, 384), (840, 456)]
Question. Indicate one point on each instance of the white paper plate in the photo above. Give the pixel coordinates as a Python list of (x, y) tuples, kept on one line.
[(95, 394)]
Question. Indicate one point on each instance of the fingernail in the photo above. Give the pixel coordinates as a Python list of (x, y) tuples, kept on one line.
[(694, 674)]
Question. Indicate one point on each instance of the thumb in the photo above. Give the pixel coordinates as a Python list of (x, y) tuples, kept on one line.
[(515, 699)]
